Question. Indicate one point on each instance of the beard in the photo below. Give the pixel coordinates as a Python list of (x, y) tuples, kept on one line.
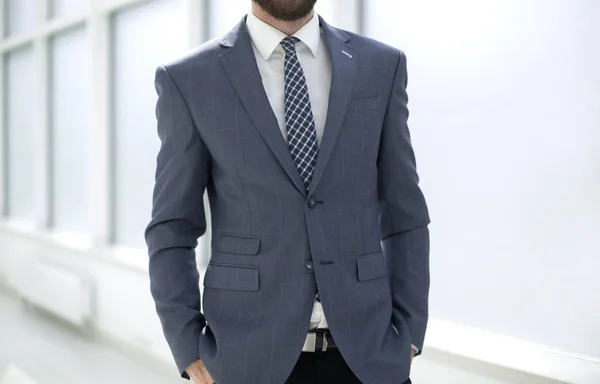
[(287, 10)]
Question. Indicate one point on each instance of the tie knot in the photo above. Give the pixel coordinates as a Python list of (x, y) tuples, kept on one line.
[(289, 44)]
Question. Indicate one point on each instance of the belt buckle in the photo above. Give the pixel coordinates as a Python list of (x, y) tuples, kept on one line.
[(310, 342)]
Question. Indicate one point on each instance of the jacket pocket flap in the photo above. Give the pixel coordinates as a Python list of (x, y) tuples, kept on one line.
[(364, 103), (243, 245), (371, 266), (232, 277)]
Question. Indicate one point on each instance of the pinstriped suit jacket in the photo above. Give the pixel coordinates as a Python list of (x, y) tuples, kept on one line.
[(359, 233)]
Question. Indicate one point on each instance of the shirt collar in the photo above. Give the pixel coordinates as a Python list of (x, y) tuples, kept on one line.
[(267, 38)]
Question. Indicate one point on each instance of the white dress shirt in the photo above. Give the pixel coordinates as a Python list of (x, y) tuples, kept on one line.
[(314, 57)]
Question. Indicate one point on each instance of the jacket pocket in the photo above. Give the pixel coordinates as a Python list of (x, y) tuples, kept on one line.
[(238, 244), (232, 277), (364, 103), (371, 266)]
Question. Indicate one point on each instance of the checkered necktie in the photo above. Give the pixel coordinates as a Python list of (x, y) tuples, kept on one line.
[(301, 132)]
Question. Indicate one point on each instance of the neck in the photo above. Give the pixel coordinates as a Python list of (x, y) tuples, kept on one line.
[(287, 27)]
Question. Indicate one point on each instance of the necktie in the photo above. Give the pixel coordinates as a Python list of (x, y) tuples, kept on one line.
[(301, 132)]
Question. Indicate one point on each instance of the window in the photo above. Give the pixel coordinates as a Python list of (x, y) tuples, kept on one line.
[(65, 7), (143, 38), (70, 110), (20, 16), (20, 133)]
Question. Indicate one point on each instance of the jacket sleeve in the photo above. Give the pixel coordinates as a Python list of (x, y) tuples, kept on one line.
[(178, 220), (403, 215)]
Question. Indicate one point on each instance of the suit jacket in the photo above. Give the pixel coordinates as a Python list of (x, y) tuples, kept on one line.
[(359, 233)]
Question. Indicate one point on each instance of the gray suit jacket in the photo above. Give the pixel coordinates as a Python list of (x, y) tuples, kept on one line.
[(359, 233)]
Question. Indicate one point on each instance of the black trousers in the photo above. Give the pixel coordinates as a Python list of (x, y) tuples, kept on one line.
[(323, 368)]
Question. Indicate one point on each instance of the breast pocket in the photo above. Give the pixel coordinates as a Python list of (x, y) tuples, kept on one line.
[(364, 103)]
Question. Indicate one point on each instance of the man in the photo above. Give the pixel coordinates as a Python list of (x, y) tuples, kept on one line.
[(319, 265)]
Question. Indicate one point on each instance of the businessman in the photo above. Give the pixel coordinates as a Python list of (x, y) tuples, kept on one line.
[(319, 265)]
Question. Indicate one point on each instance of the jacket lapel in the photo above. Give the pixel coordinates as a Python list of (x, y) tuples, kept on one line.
[(239, 63), (343, 74)]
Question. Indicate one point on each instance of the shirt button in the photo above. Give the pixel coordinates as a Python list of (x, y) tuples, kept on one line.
[(312, 203), (309, 266)]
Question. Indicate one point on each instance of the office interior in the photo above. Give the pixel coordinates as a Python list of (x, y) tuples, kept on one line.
[(504, 99)]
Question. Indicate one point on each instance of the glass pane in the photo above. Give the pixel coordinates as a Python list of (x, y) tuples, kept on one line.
[(20, 92), (70, 103), (65, 7), (143, 38), (20, 16)]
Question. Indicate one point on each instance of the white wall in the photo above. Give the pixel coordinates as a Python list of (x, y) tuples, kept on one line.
[(505, 117)]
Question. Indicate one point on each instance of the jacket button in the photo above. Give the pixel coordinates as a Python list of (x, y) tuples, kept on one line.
[(309, 266), (312, 203)]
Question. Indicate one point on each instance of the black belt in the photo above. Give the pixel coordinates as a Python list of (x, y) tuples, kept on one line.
[(319, 339)]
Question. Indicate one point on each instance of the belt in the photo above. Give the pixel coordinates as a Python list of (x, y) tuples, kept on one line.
[(318, 340)]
